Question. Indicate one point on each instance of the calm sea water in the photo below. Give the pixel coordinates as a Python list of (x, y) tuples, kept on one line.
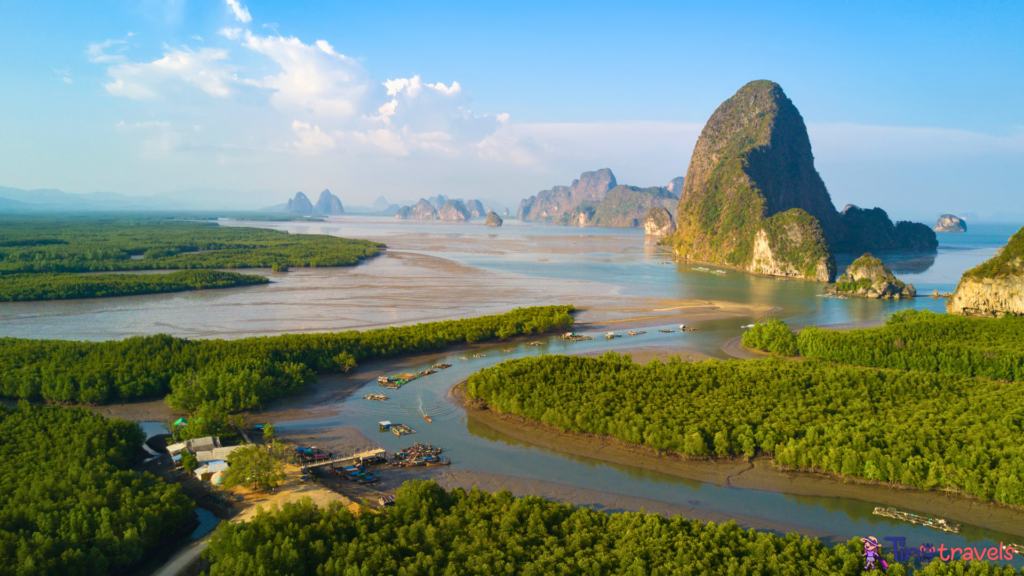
[(532, 255)]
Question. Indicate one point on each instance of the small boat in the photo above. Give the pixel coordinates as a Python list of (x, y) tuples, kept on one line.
[(428, 419), (748, 326)]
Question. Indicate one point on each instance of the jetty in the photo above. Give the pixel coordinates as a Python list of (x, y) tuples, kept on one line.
[(401, 430), (377, 397), (936, 523), (396, 382)]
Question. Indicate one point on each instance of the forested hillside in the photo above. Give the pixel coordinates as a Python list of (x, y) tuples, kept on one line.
[(432, 532), (921, 429), (69, 506), (233, 374)]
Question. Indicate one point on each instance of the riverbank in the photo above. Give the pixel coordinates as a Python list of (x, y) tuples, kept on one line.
[(758, 473)]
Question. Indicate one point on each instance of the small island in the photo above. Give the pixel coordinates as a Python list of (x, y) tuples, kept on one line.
[(493, 220), (950, 223), (868, 277)]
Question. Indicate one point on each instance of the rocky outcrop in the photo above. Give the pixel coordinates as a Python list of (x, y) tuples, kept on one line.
[(659, 222), (381, 204), (675, 186), (438, 201), (752, 162), (422, 210), (868, 277), (476, 209), (864, 230), (454, 211), (493, 220), (792, 245), (328, 204), (551, 205), (950, 223), (996, 287), (300, 204)]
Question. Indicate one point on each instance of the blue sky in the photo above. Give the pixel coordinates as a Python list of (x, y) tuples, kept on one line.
[(914, 106)]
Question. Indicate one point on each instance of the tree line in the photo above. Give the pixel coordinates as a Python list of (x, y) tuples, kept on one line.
[(921, 429), (430, 531), (69, 505), (232, 374), (910, 340), (41, 257), (46, 286), (108, 243)]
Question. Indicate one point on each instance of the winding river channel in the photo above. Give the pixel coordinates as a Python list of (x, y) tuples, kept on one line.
[(599, 263)]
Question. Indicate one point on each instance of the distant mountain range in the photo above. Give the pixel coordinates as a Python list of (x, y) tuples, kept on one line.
[(15, 200)]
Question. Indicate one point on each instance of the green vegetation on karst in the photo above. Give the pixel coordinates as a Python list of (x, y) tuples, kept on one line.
[(771, 336), (430, 532), (232, 374), (69, 506), (66, 286), (921, 429), (1009, 260), (922, 340), (796, 238)]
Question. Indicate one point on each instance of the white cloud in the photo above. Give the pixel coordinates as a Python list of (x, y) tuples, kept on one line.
[(64, 73), (230, 33), (311, 140), (204, 69), (455, 88), (241, 12), (97, 52), (123, 126), (314, 79)]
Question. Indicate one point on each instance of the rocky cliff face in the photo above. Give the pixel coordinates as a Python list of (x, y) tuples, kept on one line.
[(422, 210), (868, 277), (300, 204), (996, 287), (453, 210), (676, 186), (792, 245), (659, 222), (950, 223), (752, 162), (493, 220), (476, 209), (328, 204), (550, 205)]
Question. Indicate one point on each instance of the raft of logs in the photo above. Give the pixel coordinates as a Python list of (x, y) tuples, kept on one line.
[(377, 397), (936, 523)]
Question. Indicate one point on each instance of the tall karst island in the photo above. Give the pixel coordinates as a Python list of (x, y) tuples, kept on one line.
[(752, 198)]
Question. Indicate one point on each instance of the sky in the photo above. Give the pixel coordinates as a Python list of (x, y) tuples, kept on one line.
[(913, 106)]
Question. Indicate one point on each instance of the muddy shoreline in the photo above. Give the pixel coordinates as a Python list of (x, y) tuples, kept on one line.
[(758, 474)]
